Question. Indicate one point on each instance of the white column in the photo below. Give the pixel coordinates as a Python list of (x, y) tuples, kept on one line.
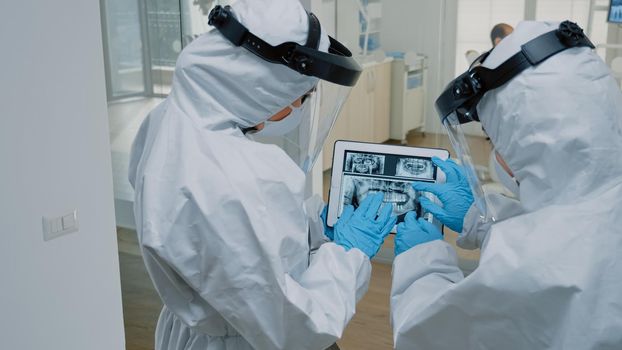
[(63, 293)]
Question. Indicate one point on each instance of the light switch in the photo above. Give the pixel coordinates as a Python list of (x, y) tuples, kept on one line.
[(57, 226), (69, 221)]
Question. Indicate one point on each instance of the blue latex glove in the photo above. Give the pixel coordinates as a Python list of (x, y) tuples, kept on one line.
[(328, 231), (412, 232), (361, 228), (455, 195)]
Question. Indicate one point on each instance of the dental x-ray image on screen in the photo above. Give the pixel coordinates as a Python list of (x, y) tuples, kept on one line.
[(416, 168), (364, 163), (360, 169), (615, 11), (398, 194)]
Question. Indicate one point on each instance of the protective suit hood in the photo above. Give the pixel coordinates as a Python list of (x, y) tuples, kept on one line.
[(247, 90), (557, 125), (222, 222), (548, 276)]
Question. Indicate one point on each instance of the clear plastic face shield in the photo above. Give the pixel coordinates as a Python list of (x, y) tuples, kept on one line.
[(337, 72), (320, 110), (463, 153), (457, 105)]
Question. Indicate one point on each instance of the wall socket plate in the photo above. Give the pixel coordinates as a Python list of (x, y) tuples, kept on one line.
[(54, 227)]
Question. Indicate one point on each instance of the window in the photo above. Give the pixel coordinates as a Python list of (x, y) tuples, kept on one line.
[(475, 21), (577, 11), (560, 10), (477, 17), (142, 39), (123, 56)]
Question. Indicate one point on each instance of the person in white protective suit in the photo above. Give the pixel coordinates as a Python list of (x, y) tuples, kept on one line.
[(224, 229), (550, 274)]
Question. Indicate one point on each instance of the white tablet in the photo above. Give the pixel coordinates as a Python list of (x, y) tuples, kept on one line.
[(360, 169)]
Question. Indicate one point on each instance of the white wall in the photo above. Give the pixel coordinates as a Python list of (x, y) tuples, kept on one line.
[(55, 156), (429, 28), (614, 38)]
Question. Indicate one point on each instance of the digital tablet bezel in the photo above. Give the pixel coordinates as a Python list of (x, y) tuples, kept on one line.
[(342, 146)]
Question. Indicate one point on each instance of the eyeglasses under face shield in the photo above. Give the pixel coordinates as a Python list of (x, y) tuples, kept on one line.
[(457, 105)]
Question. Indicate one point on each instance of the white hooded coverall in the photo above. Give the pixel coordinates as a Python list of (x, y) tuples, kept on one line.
[(550, 275), (221, 219)]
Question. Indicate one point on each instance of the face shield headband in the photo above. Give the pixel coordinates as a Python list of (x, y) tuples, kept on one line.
[(458, 103), (336, 66)]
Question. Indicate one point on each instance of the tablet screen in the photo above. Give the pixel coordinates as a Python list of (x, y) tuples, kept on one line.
[(365, 173)]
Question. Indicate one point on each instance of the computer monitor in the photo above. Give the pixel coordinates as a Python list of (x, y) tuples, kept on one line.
[(615, 12)]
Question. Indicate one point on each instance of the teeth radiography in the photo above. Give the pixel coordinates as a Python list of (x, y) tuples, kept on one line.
[(398, 194), (415, 167), (361, 169), (365, 163)]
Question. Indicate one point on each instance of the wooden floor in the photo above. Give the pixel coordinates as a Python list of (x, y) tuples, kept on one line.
[(371, 328), (141, 303)]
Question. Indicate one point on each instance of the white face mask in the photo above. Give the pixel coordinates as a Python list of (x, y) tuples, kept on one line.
[(508, 181), (283, 126)]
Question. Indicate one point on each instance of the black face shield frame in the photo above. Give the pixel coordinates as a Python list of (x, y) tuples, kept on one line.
[(336, 66), (462, 95)]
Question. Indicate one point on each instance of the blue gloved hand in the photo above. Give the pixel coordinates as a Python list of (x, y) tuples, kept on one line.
[(361, 228), (412, 232), (455, 195), (328, 231)]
